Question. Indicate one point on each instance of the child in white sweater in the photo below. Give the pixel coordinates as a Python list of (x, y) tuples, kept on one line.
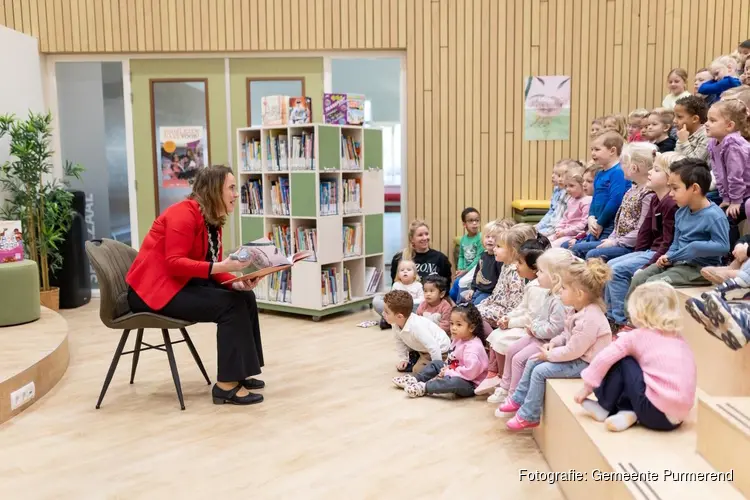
[(407, 280)]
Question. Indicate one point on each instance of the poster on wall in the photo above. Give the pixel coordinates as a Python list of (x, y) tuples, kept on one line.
[(547, 108), (183, 153)]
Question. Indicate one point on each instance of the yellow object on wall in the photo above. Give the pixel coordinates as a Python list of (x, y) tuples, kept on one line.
[(466, 63)]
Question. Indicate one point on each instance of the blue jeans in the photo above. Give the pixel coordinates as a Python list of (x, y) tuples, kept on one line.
[(607, 254), (616, 290), (530, 391), (479, 297), (582, 247), (455, 290)]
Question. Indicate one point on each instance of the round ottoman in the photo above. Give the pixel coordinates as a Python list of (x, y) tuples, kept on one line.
[(19, 292)]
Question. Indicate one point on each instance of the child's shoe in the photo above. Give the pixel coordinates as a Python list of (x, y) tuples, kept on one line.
[(488, 385), (413, 359), (518, 424), (498, 396), (733, 319), (384, 325), (404, 380), (507, 409), (415, 390)]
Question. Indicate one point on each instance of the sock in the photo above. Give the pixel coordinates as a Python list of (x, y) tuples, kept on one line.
[(491, 374), (595, 410), (621, 421)]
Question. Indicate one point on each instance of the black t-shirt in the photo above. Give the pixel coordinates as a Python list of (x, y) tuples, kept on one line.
[(428, 263), (666, 145)]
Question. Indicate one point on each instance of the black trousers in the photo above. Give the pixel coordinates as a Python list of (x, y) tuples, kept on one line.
[(240, 354), (734, 226), (623, 388)]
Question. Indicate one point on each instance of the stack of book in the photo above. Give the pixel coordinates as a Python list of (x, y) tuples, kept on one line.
[(251, 197), (329, 286), (352, 196), (306, 239), (347, 285), (280, 196), (276, 287), (250, 155), (282, 239), (352, 236), (373, 276), (351, 154), (302, 156), (328, 197), (276, 152)]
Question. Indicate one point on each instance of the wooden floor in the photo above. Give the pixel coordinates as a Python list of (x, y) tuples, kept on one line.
[(332, 426)]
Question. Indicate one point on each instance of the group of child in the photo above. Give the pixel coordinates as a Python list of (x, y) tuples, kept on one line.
[(657, 206)]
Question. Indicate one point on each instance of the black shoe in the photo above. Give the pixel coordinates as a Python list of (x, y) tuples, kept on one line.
[(221, 397), (413, 359), (253, 383), (384, 325)]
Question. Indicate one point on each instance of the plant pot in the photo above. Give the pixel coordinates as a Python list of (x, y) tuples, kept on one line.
[(50, 298)]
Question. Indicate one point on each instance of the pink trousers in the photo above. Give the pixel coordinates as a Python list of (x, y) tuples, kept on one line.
[(515, 361)]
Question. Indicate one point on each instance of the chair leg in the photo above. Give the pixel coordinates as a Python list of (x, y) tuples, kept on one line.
[(173, 366), (195, 354), (136, 354), (113, 366)]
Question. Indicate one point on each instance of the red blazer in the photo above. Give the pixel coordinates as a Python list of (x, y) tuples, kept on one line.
[(173, 252)]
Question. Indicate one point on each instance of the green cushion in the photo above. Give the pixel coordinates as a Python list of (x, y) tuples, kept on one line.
[(19, 292), (529, 219)]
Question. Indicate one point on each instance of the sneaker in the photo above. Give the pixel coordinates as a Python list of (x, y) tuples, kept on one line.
[(403, 381), (731, 284), (415, 390), (518, 424), (734, 318), (507, 409), (498, 396), (488, 385)]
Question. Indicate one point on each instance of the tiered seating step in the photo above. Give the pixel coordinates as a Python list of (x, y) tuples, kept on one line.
[(572, 440)]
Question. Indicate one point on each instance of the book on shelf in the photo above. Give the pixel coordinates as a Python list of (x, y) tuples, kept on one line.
[(347, 285), (300, 110), (274, 110), (373, 276), (307, 239), (344, 109), (329, 286), (250, 159), (352, 194), (280, 196), (351, 153), (302, 155), (263, 258), (328, 197), (277, 152), (352, 236), (251, 197), (11, 241), (281, 237), (276, 287)]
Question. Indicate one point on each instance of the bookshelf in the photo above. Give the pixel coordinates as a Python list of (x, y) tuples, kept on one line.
[(317, 186)]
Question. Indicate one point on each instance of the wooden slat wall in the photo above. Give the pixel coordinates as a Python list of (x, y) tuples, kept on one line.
[(466, 60)]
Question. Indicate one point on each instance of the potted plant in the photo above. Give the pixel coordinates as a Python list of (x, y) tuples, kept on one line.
[(35, 197)]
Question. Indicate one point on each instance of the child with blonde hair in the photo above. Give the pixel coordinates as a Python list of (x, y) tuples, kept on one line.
[(576, 215), (636, 124), (597, 127), (548, 322), (406, 279), (488, 269), (723, 77), (586, 333), (559, 201), (512, 325), (659, 123), (647, 375), (677, 85), (730, 154), (636, 160), (617, 123)]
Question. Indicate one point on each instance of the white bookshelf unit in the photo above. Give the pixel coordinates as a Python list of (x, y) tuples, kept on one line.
[(319, 185)]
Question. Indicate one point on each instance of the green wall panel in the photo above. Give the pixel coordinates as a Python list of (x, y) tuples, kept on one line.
[(303, 187), (373, 149), (373, 234), (329, 148), (252, 229)]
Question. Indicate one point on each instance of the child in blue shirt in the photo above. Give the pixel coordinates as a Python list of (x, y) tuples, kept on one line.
[(701, 230), (559, 202), (610, 185), (723, 79)]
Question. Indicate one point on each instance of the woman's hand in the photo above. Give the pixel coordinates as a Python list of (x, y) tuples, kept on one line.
[(245, 286), (228, 265)]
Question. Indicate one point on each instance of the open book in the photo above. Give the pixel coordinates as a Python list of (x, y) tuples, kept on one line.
[(263, 258)]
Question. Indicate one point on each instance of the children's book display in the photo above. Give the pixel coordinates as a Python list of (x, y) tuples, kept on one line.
[(11, 241), (263, 258), (344, 109), (282, 110)]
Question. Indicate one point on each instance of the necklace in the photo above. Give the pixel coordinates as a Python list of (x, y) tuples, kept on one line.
[(211, 246)]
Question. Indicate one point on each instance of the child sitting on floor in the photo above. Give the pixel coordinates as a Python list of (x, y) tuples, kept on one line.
[(576, 215), (586, 333), (488, 269), (406, 279), (548, 324), (465, 366), (513, 325), (436, 305), (415, 335), (559, 201), (648, 375)]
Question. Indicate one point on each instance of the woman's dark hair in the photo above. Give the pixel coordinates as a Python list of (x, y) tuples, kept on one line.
[(207, 191), (440, 282), (471, 313), (531, 250)]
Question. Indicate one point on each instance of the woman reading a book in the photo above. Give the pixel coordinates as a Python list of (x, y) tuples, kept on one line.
[(178, 273)]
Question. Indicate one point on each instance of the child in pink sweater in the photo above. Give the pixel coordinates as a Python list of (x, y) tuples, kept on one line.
[(436, 306), (465, 367), (575, 219), (648, 375), (586, 333)]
